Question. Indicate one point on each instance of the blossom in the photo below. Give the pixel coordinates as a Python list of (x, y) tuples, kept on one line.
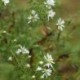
[(28, 65), (22, 50), (50, 2), (46, 68), (4, 31), (10, 58), (39, 68), (41, 62), (49, 60), (46, 73), (60, 24), (33, 12), (51, 14), (5, 2), (33, 17), (33, 76), (29, 18)]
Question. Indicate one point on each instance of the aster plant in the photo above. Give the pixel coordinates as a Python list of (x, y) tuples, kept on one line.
[(34, 41)]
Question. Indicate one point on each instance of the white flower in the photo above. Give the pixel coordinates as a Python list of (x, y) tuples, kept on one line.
[(33, 17), (15, 40), (10, 58), (50, 2), (28, 65), (4, 32), (41, 62), (38, 68), (33, 76), (49, 61), (46, 73), (18, 51), (33, 12), (51, 14), (60, 24), (46, 69), (29, 18), (22, 50), (5, 2), (36, 17)]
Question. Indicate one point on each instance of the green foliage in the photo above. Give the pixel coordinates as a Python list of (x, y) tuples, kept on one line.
[(40, 38)]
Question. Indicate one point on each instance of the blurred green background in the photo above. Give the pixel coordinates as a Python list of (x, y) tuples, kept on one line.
[(66, 50)]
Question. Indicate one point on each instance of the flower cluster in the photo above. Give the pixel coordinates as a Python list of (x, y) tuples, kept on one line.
[(46, 66), (49, 4), (22, 50), (5, 2), (46, 72), (33, 17)]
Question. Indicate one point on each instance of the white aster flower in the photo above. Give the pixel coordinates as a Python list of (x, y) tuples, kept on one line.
[(10, 58), (36, 17), (33, 12), (60, 24), (4, 32), (33, 17), (33, 76), (29, 19), (41, 62), (51, 14), (22, 50), (14, 40), (39, 68), (28, 65), (49, 60), (50, 2), (46, 73), (5, 2)]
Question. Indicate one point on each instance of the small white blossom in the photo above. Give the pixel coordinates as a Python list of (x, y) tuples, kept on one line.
[(15, 40), (49, 60), (22, 50), (28, 65), (33, 17), (33, 76), (60, 24), (50, 2), (39, 68), (41, 62), (10, 58), (29, 18), (47, 67), (4, 32), (51, 14), (5, 2), (18, 51), (33, 12), (46, 73)]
